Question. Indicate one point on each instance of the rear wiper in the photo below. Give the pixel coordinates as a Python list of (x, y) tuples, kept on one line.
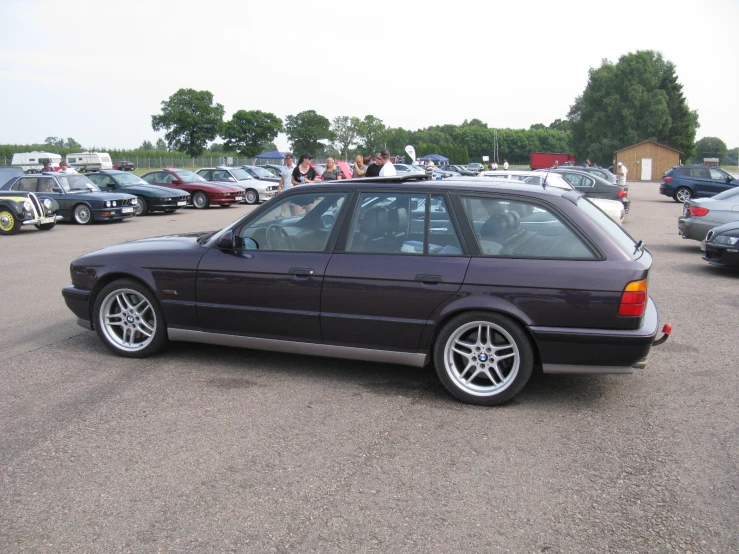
[(639, 246)]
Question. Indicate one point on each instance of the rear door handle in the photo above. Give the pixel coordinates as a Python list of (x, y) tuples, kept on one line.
[(429, 279), (302, 271)]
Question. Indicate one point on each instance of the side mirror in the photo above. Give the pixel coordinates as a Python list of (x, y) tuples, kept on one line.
[(227, 242), (231, 179), (56, 188), (176, 182)]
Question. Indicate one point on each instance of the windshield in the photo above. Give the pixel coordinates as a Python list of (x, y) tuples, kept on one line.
[(727, 194), (77, 183), (240, 174), (261, 172), (130, 179), (615, 231), (189, 177)]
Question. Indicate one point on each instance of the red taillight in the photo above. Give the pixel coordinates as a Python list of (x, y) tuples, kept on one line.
[(667, 179), (697, 211), (634, 299), (622, 193)]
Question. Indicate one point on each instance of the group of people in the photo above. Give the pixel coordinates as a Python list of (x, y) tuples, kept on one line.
[(293, 175), (63, 167), (493, 166)]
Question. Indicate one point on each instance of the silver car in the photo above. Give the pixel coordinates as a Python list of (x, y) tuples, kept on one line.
[(254, 189), (700, 215)]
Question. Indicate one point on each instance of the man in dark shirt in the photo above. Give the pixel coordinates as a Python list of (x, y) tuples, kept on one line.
[(373, 169)]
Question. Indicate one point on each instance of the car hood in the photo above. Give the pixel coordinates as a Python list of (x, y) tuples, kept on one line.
[(94, 195), (727, 228), (153, 190)]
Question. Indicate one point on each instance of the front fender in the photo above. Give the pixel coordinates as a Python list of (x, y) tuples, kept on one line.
[(465, 301)]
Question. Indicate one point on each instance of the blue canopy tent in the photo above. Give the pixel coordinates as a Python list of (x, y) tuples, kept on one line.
[(274, 155), (435, 157)]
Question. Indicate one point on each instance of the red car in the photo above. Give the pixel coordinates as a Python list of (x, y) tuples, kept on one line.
[(202, 193), (124, 166)]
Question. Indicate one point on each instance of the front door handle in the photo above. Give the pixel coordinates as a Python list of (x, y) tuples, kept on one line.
[(302, 271), (429, 279)]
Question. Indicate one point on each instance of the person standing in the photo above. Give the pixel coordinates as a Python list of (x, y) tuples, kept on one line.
[(47, 166), (304, 172), (505, 165), (287, 172), (332, 171), (373, 169), (360, 168), (64, 168), (388, 169), (621, 173)]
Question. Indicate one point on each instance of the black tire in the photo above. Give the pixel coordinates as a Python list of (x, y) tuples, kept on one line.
[(251, 196), (134, 321), (141, 208), (497, 370), (200, 200), (682, 195), (82, 214), (9, 222), (46, 226)]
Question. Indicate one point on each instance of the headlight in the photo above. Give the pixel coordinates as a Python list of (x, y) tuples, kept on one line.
[(725, 239), (114, 203), (135, 201), (48, 204), (107, 203), (28, 206)]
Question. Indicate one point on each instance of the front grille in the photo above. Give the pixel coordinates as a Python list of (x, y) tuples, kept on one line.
[(36, 204)]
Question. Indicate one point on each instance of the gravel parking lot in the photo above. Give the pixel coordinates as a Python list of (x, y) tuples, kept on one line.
[(208, 449)]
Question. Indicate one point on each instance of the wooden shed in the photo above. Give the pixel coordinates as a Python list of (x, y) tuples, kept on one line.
[(647, 161)]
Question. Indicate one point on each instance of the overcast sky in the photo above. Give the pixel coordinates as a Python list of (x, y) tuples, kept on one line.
[(97, 70)]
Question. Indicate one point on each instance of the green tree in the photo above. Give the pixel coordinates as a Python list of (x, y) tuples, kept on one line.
[(247, 131), (72, 144), (161, 146), (345, 131), (637, 99), (371, 134), (306, 130), (54, 142), (190, 119), (560, 125), (146, 145), (732, 157), (710, 147)]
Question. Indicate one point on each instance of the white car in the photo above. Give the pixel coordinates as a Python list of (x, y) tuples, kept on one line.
[(255, 190), (612, 208)]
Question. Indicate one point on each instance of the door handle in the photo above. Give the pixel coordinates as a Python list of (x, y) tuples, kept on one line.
[(429, 279), (302, 272)]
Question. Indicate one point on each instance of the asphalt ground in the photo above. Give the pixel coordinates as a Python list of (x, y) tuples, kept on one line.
[(209, 449)]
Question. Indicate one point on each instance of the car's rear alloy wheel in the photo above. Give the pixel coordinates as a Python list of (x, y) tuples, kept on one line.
[(9, 224), (483, 358), (683, 194), (251, 196), (141, 207), (129, 320), (200, 200), (82, 214)]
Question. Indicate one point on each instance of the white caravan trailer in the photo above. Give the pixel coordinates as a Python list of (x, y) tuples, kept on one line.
[(33, 162), (90, 161)]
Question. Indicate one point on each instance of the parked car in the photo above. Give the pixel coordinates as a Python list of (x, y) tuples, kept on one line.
[(681, 183), (202, 192), (275, 170), (475, 167), (260, 173), (370, 273), (152, 198), (721, 246), (255, 190), (592, 185), (601, 172), (462, 170), (18, 208), (124, 166), (402, 169), (700, 215), (79, 199)]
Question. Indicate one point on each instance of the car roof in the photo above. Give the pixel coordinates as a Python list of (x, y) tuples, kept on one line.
[(108, 172)]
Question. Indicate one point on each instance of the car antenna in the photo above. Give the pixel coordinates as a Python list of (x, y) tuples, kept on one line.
[(544, 182)]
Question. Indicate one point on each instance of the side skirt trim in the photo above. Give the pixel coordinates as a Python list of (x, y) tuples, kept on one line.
[(415, 359), (586, 369)]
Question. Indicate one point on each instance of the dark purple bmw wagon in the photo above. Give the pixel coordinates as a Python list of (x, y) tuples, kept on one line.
[(484, 280)]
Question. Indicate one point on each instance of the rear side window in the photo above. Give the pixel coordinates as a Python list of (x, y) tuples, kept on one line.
[(518, 229), (615, 231)]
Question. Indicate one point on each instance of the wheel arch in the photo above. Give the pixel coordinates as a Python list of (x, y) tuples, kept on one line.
[(104, 280)]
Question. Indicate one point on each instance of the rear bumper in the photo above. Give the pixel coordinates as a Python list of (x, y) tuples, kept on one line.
[(569, 350), (694, 228)]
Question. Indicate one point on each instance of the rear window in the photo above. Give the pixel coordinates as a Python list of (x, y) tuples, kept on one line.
[(615, 231)]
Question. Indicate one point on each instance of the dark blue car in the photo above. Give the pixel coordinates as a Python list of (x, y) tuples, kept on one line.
[(681, 183)]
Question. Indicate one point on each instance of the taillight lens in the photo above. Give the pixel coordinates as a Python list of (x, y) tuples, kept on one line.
[(697, 211), (668, 179), (622, 193), (634, 299)]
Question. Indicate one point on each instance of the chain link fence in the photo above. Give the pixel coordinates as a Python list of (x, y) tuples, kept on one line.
[(174, 160)]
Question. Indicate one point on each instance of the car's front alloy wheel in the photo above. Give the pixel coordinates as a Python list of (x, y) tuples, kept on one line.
[(251, 196), (129, 320), (483, 358), (200, 200), (141, 208), (82, 214)]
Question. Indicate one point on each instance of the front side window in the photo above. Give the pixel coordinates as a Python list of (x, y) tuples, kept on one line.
[(205, 174), (519, 229), (717, 174), (301, 222)]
